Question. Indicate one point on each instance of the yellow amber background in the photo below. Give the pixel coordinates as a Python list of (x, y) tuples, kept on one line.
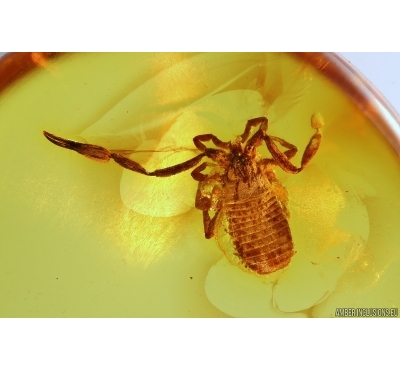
[(82, 239)]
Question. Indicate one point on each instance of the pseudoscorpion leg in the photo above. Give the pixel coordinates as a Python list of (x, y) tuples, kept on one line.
[(283, 161), (101, 154), (209, 137), (262, 121), (292, 148), (203, 202)]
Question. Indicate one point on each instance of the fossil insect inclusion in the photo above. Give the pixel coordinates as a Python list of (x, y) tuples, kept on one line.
[(240, 196)]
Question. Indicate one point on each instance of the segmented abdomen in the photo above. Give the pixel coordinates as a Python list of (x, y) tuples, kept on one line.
[(260, 232)]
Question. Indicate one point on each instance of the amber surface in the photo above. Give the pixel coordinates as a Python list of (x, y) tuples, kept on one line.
[(81, 238)]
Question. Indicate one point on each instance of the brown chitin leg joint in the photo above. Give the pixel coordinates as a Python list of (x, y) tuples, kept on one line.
[(282, 159), (196, 173), (262, 121), (129, 164), (209, 224), (197, 140)]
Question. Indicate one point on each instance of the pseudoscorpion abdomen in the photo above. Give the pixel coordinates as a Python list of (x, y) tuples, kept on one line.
[(260, 232)]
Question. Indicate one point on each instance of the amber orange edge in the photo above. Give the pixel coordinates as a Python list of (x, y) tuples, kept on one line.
[(14, 66), (341, 72), (363, 93)]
